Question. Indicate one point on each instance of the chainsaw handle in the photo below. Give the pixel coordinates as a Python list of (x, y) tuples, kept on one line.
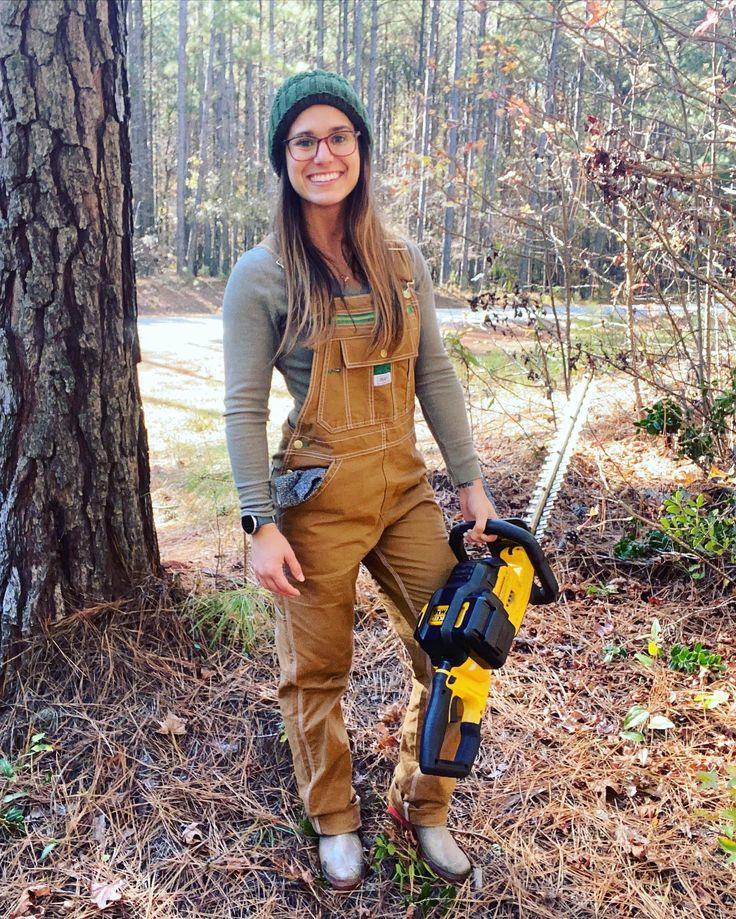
[(515, 532), (436, 721)]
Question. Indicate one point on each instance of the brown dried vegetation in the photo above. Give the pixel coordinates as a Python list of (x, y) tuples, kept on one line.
[(169, 787)]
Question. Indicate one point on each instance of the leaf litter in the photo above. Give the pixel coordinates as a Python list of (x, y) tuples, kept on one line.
[(561, 815)]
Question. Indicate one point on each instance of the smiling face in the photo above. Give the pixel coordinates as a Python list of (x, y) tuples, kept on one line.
[(326, 180)]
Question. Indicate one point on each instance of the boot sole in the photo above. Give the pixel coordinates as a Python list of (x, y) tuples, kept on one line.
[(407, 827), (342, 887)]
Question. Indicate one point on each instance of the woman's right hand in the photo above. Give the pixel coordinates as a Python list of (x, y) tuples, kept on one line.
[(270, 551)]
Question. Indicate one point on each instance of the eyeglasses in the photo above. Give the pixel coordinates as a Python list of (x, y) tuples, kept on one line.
[(305, 146)]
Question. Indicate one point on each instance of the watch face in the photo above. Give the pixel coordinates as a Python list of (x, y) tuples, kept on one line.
[(250, 522)]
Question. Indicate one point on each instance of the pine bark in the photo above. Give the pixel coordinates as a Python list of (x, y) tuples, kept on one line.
[(76, 523)]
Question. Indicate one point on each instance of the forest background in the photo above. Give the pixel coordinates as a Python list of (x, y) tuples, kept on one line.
[(567, 167)]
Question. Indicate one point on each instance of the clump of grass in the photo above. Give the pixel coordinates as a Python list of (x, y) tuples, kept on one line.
[(233, 618), (203, 422)]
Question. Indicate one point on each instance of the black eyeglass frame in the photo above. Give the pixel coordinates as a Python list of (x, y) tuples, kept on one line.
[(319, 140)]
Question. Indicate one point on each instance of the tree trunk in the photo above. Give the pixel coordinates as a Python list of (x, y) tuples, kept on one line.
[(345, 43), (229, 153), (419, 80), (204, 163), (140, 143), (473, 140), (76, 523), (429, 83), (372, 63), (181, 141), (338, 44), (320, 59), (525, 271), (358, 46), (452, 145)]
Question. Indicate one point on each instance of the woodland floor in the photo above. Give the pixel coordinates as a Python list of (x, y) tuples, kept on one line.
[(168, 791)]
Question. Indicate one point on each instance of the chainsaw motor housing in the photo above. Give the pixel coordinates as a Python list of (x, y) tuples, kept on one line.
[(465, 618)]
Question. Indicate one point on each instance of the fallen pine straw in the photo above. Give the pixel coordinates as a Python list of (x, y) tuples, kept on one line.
[(170, 793)]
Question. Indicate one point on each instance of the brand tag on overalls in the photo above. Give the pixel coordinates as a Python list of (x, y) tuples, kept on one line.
[(381, 374)]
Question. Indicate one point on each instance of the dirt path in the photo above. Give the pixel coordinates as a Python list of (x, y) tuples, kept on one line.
[(169, 295)]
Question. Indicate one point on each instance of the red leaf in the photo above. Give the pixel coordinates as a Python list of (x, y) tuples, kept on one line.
[(596, 11)]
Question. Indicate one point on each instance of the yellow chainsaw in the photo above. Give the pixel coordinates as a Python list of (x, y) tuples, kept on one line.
[(468, 626)]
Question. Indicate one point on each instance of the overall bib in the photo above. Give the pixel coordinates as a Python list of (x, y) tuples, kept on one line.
[(375, 506)]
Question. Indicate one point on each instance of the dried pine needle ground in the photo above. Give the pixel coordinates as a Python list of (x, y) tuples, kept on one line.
[(169, 791)]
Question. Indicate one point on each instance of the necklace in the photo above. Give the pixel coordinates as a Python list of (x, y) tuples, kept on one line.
[(340, 268)]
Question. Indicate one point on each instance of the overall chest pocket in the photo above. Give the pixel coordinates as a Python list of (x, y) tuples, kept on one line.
[(364, 385)]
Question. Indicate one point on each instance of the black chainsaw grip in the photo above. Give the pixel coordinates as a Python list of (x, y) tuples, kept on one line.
[(434, 728), (514, 532)]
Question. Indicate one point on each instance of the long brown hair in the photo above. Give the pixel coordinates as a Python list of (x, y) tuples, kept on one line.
[(309, 280)]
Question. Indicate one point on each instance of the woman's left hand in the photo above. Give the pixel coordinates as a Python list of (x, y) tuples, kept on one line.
[(475, 505)]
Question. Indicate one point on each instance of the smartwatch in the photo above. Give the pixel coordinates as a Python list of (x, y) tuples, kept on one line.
[(252, 523)]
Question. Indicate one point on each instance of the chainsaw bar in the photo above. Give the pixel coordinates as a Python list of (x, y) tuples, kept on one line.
[(559, 456)]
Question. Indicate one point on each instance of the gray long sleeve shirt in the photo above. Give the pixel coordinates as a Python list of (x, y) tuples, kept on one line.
[(254, 316)]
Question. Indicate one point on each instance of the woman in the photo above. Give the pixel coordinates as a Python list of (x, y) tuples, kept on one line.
[(346, 313)]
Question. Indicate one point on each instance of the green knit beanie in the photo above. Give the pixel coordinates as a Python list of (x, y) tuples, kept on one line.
[(313, 87)]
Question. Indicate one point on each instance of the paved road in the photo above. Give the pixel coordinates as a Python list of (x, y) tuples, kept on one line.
[(196, 338)]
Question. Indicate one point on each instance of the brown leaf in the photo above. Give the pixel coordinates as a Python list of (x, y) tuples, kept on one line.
[(105, 893), (27, 905), (99, 829), (393, 713), (632, 841), (607, 789), (596, 12), (385, 740), (172, 724)]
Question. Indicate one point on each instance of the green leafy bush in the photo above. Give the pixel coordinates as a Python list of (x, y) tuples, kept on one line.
[(709, 533), (664, 417), (654, 541), (700, 429)]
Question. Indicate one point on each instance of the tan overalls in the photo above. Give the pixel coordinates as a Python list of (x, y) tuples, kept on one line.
[(374, 506)]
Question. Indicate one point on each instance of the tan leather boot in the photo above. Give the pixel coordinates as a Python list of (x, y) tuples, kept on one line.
[(341, 859), (437, 847)]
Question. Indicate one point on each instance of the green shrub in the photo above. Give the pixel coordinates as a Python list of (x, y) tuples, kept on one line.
[(708, 533), (699, 428)]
